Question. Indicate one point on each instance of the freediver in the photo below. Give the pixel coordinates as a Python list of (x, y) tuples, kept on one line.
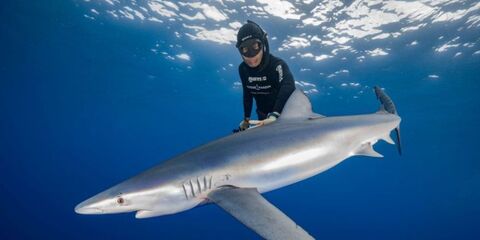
[(264, 77)]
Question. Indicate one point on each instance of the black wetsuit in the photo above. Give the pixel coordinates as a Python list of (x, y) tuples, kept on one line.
[(270, 85)]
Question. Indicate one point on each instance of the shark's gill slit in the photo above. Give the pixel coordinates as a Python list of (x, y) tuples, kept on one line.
[(185, 191), (199, 187), (205, 182), (193, 190)]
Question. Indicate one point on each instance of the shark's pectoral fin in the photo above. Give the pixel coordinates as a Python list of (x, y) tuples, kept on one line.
[(249, 207), (366, 149)]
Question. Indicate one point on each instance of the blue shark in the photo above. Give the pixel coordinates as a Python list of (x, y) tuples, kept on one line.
[(235, 170)]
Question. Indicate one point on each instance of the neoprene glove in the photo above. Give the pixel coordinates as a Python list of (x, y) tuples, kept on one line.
[(244, 125), (271, 117)]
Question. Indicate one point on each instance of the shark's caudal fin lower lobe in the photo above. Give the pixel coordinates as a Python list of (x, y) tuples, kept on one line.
[(388, 106)]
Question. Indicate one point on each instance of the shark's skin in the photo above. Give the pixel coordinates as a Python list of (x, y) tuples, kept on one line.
[(299, 145)]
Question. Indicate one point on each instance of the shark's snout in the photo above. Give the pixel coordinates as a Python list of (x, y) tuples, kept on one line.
[(87, 210), (88, 207)]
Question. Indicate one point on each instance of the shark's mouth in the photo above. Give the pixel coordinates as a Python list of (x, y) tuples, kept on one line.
[(146, 214), (88, 210)]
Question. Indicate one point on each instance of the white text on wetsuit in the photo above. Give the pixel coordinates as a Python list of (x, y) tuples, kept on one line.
[(257, 79)]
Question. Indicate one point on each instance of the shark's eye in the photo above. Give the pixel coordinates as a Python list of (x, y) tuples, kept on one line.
[(120, 200)]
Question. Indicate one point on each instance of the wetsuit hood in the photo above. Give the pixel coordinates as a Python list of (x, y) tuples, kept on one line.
[(251, 30)]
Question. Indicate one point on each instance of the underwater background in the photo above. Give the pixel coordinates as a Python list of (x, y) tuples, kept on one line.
[(94, 92)]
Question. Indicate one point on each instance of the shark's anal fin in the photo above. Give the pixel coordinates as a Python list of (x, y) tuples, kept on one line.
[(249, 207), (366, 149)]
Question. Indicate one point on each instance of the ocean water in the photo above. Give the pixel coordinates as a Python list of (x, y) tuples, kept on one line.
[(94, 92)]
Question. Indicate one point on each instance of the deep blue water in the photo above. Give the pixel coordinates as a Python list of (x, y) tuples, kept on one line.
[(85, 104)]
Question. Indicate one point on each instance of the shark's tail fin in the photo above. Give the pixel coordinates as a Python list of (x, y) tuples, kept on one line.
[(388, 106)]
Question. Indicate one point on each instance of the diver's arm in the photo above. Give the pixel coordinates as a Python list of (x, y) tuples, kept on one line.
[(287, 86), (247, 96), (247, 103)]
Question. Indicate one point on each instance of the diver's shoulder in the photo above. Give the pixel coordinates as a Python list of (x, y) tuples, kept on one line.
[(242, 66), (275, 61)]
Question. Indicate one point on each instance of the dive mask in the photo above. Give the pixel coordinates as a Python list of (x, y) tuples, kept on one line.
[(250, 48)]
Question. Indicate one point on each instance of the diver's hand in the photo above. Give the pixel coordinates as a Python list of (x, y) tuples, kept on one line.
[(272, 117), (244, 124)]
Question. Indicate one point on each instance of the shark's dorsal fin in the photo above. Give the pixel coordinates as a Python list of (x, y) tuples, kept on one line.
[(298, 106)]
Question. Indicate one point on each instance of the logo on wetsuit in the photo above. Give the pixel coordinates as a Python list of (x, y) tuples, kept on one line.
[(280, 72), (257, 79), (258, 87)]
